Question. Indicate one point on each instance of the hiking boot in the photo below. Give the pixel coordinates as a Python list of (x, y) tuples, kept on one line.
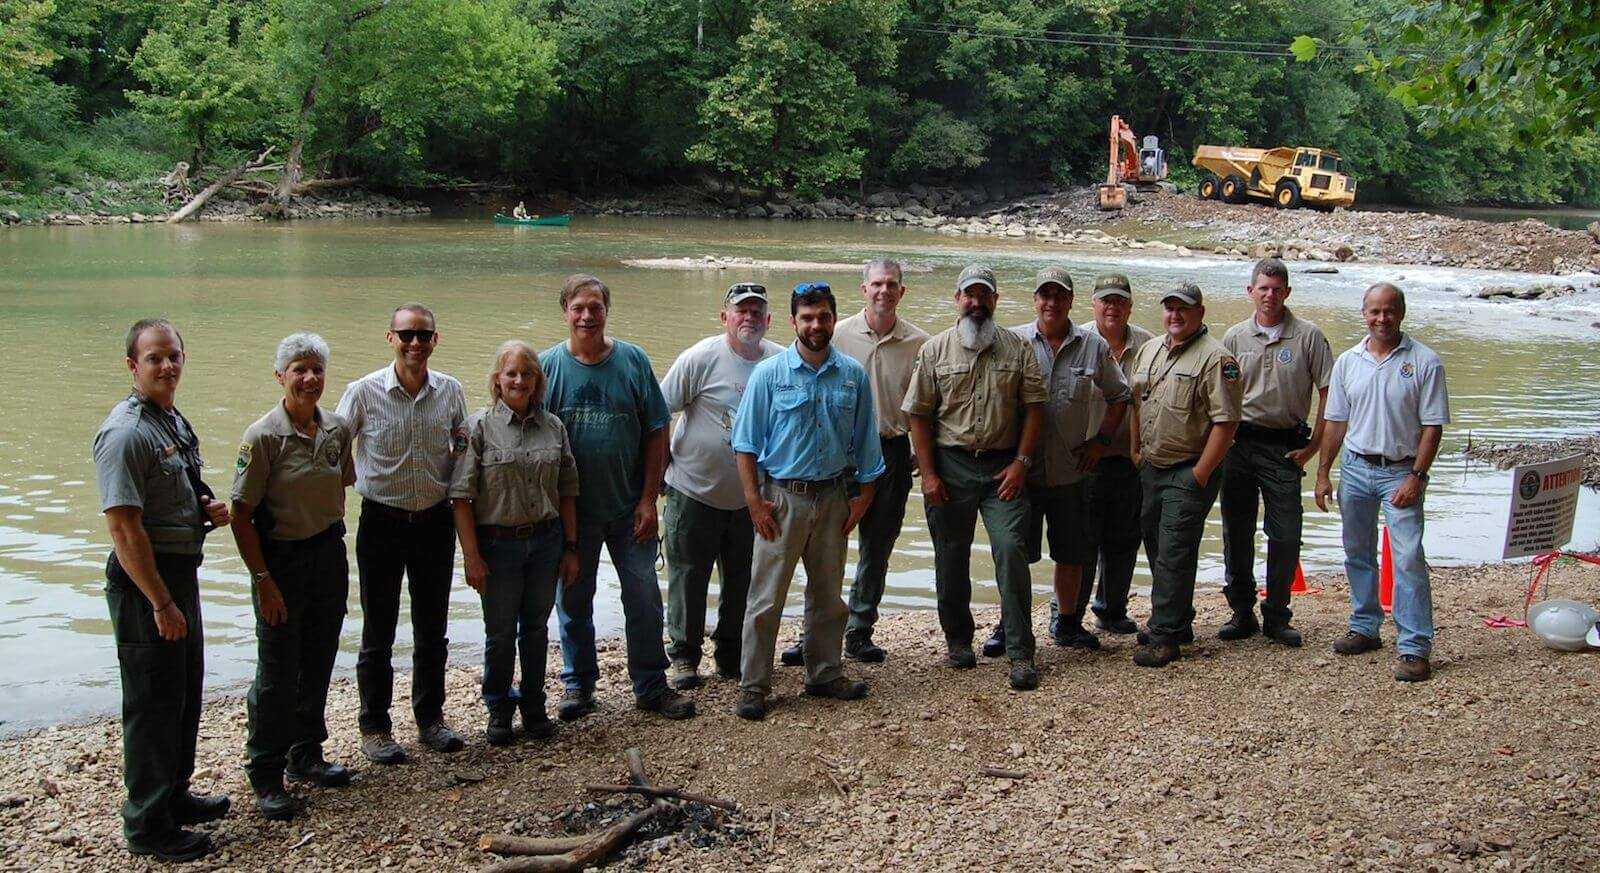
[(175, 845), (380, 748), (995, 645), (575, 704), (839, 688), (1123, 625), (752, 706), (1412, 668), (499, 732), (193, 809), (1354, 643), (1155, 654), (538, 726), (1242, 626), (795, 655), (1074, 636), (669, 703), (276, 804), (1284, 635), (727, 665), (683, 676), (960, 656), (859, 647), (440, 738), (1185, 637), (318, 772), (1024, 677)]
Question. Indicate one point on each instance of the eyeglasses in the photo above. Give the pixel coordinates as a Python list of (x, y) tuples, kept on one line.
[(422, 336), (807, 287), (746, 288)]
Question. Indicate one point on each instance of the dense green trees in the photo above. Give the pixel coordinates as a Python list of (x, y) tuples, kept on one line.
[(1426, 101)]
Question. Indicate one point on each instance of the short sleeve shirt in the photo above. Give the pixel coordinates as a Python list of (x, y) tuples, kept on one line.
[(405, 446), (1074, 375), (608, 408), (1122, 439), (1180, 393), (1388, 402), (139, 461), (299, 479), (889, 359), (516, 469), (1280, 373), (706, 383), (977, 399), (809, 423)]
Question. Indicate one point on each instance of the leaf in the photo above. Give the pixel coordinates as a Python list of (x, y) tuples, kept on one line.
[(1304, 48)]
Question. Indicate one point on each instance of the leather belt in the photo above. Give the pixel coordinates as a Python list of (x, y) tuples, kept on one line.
[(1381, 461), (398, 514), (514, 532), (810, 486), (1265, 434), (982, 454)]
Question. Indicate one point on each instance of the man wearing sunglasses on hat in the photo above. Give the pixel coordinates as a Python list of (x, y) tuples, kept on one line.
[(409, 425), (805, 437), (704, 521)]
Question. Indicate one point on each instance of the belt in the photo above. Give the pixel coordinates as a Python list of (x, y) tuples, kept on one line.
[(333, 531), (982, 454), (1265, 434), (1381, 461), (514, 532), (810, 486), (406, 516)]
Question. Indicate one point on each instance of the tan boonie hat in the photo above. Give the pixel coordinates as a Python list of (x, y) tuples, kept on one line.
[(1052, 276), (1188, 292), (976, 274), (1113, 285)]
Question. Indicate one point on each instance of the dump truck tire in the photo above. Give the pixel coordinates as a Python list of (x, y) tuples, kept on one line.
[(1288, 194), (1208, 188), (1233, 189)]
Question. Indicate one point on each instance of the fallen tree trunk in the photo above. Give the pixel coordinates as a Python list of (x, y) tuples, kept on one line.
[(505, 844), (232, 176), (305, 187), (590, 854)]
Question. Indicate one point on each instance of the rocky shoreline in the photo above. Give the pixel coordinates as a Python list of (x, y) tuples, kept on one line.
[(120, 204), (1242, 756)]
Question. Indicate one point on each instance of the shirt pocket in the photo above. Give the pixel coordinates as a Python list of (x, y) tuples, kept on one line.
[(843, 398), (1081, 384), (1005, 378), (955, 383), (502, 475), (544, 475), (1180, 397), (790, 400)]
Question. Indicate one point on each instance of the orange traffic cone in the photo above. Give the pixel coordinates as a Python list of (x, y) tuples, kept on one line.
[(1386, 575), (1299, 586)]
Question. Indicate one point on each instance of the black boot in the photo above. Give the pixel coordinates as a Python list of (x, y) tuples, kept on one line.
[(995, 645)]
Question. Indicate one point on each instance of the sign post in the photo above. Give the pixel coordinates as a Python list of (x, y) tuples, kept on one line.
[(1544, 502)]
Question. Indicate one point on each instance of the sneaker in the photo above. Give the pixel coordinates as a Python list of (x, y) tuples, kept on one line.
[(1242, 626), (683, 676), (1284, 635), (669, 703), (175, 845), (575, 704), (859, 647), (276, 804), (499, 731), (960, 656), (380, 748), (795, 655), (1155, 654), (193, 809), (1184, 638), (1123, 625), (318, 772), (1024, 677), (1412, 668), (839, 688), (538, 726), (440, 738), (1354, 643), (995, 645), (1075, 636), (752, 706)]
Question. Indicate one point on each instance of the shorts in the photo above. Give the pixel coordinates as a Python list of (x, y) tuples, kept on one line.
[(1063, 510)]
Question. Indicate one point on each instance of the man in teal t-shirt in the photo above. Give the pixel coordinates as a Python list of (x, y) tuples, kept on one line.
[(606, 395)]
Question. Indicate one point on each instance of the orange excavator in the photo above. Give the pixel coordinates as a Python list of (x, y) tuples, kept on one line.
[(1130, 164)]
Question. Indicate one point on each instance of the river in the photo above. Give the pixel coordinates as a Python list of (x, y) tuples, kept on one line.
[(235, 290)]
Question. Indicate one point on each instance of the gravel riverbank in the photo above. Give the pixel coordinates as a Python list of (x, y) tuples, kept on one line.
[(1240, 757)]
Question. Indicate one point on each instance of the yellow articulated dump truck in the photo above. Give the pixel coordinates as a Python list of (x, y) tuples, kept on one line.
[(1287, 175)]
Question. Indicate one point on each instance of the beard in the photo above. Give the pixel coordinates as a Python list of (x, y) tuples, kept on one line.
[(977, 330), (750, 334), (815, 341)]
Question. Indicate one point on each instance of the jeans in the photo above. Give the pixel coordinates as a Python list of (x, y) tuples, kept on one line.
[(1255, 472), (879, 529), (641, 609), (697, 537), (1113, 518), (517, 599), (1174, 517), (423, 550), (1363, 487), (973, 491)]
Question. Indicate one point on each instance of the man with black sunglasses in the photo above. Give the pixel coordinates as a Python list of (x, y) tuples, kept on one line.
[(409, 425)]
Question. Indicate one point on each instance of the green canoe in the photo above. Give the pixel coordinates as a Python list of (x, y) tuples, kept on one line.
[(561, 220)]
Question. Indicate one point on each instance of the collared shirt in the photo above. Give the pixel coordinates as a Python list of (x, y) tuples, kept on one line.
[(812, 424), (1280, 372), (515, 470), (1180, 393), (1388, 402), (706, 383), (1122, 441), (889, 359), (1077, 372), (139, 462), (300, 478), (977, 399), (405, 445)]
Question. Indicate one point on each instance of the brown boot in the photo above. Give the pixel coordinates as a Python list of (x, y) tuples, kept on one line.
[(1412, 668), (1353, 643)]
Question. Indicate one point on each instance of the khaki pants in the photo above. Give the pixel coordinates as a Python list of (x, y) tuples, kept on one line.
[(809, 532)]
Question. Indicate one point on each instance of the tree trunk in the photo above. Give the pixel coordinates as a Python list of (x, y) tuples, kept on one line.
[(291, 164), (232, 176)]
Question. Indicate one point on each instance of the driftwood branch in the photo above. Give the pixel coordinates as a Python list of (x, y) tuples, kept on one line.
[(504, 844), (670, 793), (594, 850), (998, 773), (232, 176)]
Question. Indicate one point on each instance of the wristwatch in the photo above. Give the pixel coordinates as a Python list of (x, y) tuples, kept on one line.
[(1421, 476), (262, 575), (1027, 462)]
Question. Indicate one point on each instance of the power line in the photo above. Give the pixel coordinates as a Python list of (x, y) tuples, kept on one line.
[(1129, 42)]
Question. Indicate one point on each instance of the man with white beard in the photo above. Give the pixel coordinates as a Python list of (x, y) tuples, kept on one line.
[(976, 404)]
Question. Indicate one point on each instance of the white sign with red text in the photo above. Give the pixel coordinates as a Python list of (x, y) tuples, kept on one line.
[(1544, 501)]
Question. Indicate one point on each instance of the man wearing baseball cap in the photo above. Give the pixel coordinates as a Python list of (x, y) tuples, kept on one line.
[(976, 405), (704, 520), (1188, 393)]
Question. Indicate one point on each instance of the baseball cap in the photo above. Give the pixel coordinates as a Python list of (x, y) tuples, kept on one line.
[(976, 274), (1113, 285), (742, 291), (1052, 276), (1188, 292)]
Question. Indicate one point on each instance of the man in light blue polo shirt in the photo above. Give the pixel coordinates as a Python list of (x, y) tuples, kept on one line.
[(804, 436), (1387, 405)]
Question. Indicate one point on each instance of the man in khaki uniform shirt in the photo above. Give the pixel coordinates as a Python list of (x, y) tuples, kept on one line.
[(976, 403), (1283, 361), (1187, 388)]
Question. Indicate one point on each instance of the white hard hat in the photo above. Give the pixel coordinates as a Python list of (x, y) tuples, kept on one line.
[(1563, 624), (1593, 636)]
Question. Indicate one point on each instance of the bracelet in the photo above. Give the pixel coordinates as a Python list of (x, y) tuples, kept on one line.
[(1421, 475)]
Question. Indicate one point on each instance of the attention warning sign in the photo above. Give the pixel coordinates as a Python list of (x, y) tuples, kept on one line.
[(1544, 501)]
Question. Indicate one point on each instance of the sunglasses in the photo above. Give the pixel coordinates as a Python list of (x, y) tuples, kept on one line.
[(808, 287), (406, 336), (746, 288)]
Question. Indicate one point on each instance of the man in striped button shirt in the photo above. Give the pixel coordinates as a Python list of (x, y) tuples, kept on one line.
[(409, 425)]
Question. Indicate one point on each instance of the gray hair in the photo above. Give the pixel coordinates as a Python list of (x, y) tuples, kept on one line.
[(886, 265), (300, 345), (1385, 286)]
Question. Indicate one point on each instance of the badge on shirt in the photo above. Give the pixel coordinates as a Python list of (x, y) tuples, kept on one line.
[(1407, 370), (330, 453), (1285, 356), (458, 441), (244, 458), (1230, 370)]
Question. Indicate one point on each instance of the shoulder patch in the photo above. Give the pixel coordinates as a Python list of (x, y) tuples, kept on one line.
[(458, 441), (244, 457), (1230, 370)]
